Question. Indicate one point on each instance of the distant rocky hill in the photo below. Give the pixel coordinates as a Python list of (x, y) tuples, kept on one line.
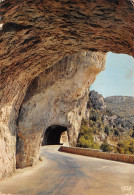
[(104, 129), (109, 116), (122, 106)]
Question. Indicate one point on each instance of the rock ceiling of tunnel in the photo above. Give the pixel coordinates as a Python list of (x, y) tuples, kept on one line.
[(36, 34)]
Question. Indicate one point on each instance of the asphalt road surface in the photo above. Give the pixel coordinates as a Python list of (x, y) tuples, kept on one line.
[(68, 174)]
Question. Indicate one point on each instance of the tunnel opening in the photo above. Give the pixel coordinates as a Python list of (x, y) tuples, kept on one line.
[(55, 135)]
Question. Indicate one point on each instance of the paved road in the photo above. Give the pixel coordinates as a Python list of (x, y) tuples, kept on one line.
[(69, 174)]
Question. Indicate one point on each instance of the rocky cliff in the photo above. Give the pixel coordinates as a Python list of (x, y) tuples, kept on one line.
[(104, 129), (119, 99), (35, 35), (122, 106), (109, 117), (57, 96), (96, 100)]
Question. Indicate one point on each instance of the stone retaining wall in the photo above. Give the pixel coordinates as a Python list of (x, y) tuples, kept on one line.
[(98, 154)]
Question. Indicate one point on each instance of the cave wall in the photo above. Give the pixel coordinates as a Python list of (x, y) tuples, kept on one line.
[(37, 34), (58, 96), (8, 116)]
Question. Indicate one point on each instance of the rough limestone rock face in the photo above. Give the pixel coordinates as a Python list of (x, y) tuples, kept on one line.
[(37, 34), (97, 100), (58, 96), (108, 117), (64, 139)]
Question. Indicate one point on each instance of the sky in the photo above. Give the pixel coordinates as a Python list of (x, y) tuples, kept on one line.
[(118, 76)]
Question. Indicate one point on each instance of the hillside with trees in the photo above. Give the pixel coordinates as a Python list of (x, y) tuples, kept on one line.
[(105, 130), (122, 106)]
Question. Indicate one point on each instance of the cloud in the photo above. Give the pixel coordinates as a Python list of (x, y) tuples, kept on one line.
[(130, 74)]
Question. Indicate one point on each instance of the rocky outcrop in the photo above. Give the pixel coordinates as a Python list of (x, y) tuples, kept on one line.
[(57, 96), (35, 35), (97, 100), (104, 129), (108, 117)]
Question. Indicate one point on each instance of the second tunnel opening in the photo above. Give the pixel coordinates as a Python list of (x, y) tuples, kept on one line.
[(55, 135)]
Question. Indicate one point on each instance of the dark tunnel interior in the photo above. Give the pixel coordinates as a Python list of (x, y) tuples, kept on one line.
[(52, 135)]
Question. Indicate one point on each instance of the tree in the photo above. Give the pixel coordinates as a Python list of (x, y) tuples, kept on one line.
[(106, 130), (133, 132), (116, 132), (106, 147)]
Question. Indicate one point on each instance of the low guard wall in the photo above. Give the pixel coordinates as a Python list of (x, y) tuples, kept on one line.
[(98, 154)]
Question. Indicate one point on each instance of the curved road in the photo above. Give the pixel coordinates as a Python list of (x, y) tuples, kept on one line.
[(69, 174)]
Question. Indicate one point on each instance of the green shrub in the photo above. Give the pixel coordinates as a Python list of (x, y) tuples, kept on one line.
[(105, 147), (116, 132), (94, 115), (86, 137), (120, 150), (133, 134), (106, 130), (126, 147)]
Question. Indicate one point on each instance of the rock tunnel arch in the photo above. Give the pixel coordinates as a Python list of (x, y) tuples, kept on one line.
[(55, 101), (102, 26), (55, 135)]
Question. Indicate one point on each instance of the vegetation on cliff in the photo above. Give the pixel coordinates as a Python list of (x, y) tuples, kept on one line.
[(123, 106), (104, 130), (86, 137)]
